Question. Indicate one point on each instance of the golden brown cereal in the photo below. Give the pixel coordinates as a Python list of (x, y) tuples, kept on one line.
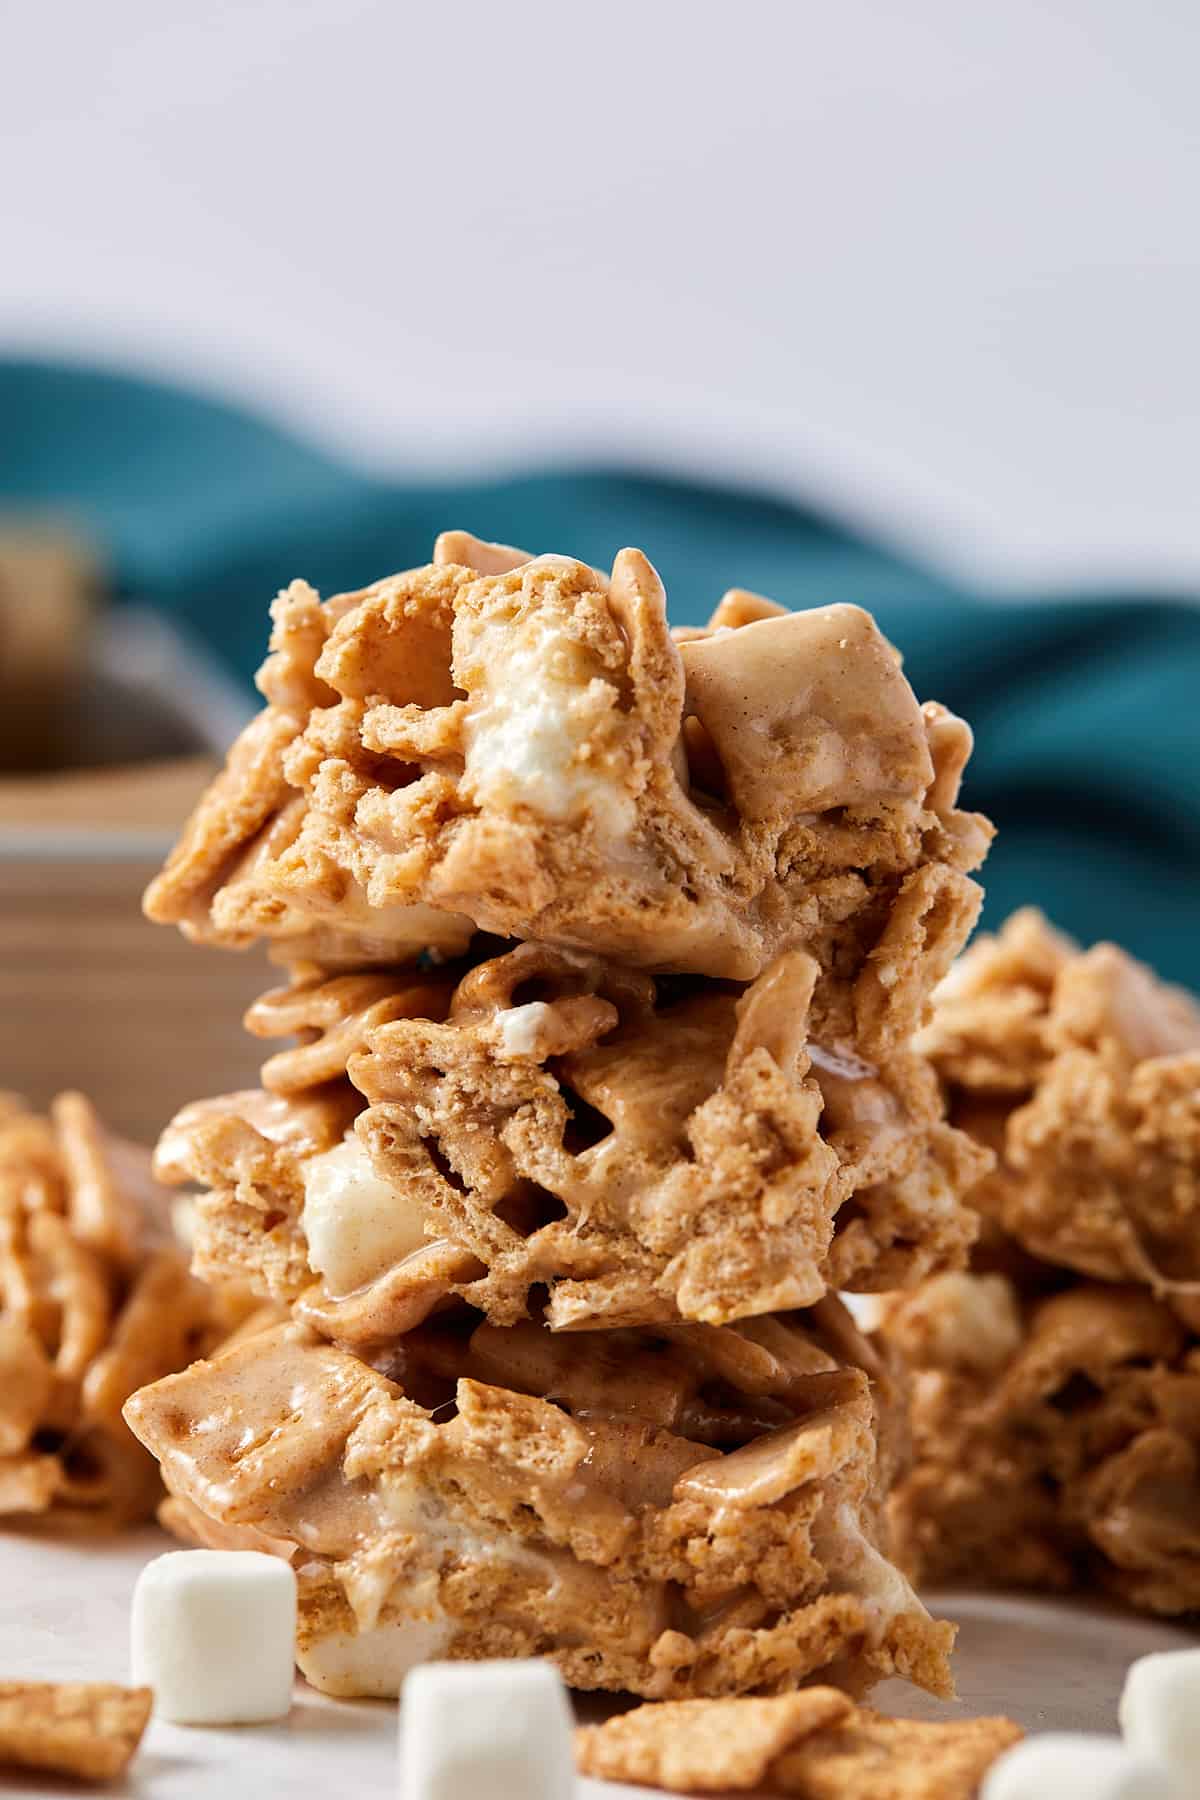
[(94, 1302), (870, 1757), (89, 1729), (703, 1746), (815, 1744)]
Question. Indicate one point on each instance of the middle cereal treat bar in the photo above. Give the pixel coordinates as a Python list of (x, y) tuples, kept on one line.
[(519, 745), (544, 1120)]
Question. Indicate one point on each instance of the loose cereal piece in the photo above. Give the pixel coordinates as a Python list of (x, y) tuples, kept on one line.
[(85, 1728), (814, 1743), (870, 1757), (521, 746), (548, 1119), (703, 1746), (681, 1518)]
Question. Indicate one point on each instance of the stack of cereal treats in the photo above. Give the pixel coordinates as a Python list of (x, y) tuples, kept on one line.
[(605, 954), (1057, 1385)]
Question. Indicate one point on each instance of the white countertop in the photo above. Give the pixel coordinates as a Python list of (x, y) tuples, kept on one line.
[(64, 1615)]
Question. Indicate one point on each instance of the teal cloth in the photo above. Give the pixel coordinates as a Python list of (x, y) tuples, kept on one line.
[(1086, 712)]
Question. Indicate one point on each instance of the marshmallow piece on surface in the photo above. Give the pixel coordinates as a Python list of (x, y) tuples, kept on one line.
[(1074, 1765), (500, 1729), (1160, 1713), (213, 1633)]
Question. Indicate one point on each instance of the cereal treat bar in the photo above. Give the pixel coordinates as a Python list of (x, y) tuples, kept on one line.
[(625, 1149), (690, 1512), (1057, 1435), (1057, 1384), (95, 1301), (519, 745), (1082, 1071)]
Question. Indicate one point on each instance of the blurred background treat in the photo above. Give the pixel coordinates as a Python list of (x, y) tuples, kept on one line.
[(885, 305)]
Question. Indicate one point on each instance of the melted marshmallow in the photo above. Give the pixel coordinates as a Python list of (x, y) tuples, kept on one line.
[(357, 1224)]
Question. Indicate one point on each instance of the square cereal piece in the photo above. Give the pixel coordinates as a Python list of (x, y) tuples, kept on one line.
[(871, 1757), (704, 1746), (85, 1728)]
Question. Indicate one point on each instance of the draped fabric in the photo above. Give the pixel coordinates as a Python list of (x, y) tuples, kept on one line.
[(1086, 711)]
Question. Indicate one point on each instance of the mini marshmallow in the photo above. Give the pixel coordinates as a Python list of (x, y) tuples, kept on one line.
[(213, 1633), (1076, 1764), (1160, 1713), (497, 1728)]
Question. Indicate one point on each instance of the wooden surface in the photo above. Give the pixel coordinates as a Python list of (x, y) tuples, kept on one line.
[(141, 797), (91, 994)]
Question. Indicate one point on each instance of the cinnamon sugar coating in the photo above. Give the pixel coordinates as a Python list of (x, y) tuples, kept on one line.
[(1083, 1071), (1057, 1437), (519, 745), (645, 1150), (85, 1729), (513, 1493), (95, 1301)]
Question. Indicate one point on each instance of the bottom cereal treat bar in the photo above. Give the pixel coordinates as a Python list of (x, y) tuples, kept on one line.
[(95, 1300), (815, 1744), (695, 1512), (1082, 1071), (89, 1729), (1057, 1435)]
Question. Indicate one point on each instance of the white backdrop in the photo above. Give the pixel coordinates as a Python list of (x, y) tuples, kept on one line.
[(936, 260)]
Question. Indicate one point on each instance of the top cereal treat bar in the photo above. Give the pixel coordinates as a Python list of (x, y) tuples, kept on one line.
[(519, 745), (1082, 1071)]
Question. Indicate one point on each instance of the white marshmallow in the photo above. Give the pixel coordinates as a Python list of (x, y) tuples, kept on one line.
[(1160, 1713), (521, 1028), (1074, 1765), (213, 1633), (356, 1223), (497, 1728)]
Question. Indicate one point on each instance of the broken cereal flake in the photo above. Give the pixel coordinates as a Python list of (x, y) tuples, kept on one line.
[(85, 1728)]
